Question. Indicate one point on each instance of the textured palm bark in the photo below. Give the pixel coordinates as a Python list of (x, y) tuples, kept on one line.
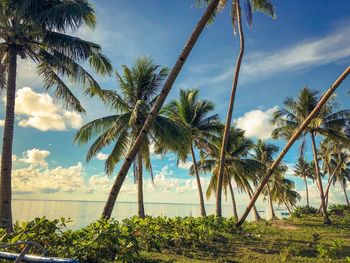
[(346, 195), (234, 205), (318, 178), (229, 112), (140, 203), (107, 211), (307, 192), (7, 141), (273, 215), (291, 141), (199, 185)]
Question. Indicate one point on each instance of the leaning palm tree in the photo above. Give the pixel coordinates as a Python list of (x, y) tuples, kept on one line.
[(266, 7), (239, 167), (139, 88), (329, 123), (342, 175), (264, 154), (303, 169), (284, 194), (37, 31), (142, 136), (296, 135), (198, 124)]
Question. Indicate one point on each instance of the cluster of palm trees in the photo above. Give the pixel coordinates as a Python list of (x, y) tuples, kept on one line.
[(37, 30)]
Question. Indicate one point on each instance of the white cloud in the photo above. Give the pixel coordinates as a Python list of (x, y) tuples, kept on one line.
[(185, 165), (35, 156), (102, 156), (37, 110), (257, 123), (2, 122)]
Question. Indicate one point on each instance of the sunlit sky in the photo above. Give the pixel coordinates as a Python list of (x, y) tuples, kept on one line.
[(307, 45)]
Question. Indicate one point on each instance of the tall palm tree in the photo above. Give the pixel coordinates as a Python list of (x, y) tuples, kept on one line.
[(342, 175), (303, 169), (285, 194), (329, 123), (264, 154), (296, 135), (196, 122), (139, 88), (37, 30), (266, 7), (240, 167), (129, 158)]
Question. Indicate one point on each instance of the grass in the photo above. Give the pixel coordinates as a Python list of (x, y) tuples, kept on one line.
[(289, 240)]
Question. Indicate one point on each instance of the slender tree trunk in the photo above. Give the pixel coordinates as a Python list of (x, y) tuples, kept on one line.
[(318, 178), (7, 141), (255, 211), (230, 111), (346, 195), (287, 206), (140, 204), (273, 215), (107, 211), (200, 191), (307, 192), (291, 141), (235, 214)]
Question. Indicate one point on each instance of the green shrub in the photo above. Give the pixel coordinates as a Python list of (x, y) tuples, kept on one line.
[(339, 209), (301, 211)]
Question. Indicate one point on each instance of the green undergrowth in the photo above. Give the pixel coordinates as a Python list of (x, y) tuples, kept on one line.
[(189, 239)]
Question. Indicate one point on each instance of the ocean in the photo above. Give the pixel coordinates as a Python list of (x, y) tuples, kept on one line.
[(84, 212)]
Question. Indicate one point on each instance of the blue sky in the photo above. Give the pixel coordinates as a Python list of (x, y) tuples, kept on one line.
[(307, 45)]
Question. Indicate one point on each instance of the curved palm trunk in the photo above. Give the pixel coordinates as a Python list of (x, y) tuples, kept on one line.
[(235, 214), (291, 141), (107, 211), (318, 178), (7, 141), (287, 206), (273, 215), (346, 195), (255, 211), (140, 205), (200, 191), (230, 111), (307, 192)]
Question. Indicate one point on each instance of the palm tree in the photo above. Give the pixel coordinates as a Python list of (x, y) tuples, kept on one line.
[(303, 169), (266, 7), (342, 174), (264, 153), (297, 133), (129, 158), (329, 123), (284, 193), (191, 114), (36, 30), (139, 87), (240, 167)]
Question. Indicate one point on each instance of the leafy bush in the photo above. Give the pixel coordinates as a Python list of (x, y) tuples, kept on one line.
[(301, 211), (339, 209)]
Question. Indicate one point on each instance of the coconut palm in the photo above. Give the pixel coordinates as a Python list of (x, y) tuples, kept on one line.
[(240, 167), (129, 158), (266, 7), (296, 135), (37, 30), (304, 170), (329, 123), (199, 125), (264, 154), (139, 88), (285, 194), (342, 174)]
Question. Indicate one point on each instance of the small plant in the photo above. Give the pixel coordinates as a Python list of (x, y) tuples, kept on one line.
[(331, 251), (302, 211)]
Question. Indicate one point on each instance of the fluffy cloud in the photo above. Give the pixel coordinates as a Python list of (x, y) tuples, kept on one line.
[(185, 165), (38, 111), (34, 179), (102, 156), (257, 124), (35, 156), (2, 122)]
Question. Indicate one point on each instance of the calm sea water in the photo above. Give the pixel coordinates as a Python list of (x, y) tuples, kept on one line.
[(82, 213)]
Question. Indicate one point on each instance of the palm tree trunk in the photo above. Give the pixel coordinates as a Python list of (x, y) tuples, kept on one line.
[(273, 215), (291, 141), (230, 111), (200, 191), (7, 141), (346, 196), (255, 211), (307, 192), (140, 205), (107, 211), (318, 178), (235, 214), (287, 206)]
